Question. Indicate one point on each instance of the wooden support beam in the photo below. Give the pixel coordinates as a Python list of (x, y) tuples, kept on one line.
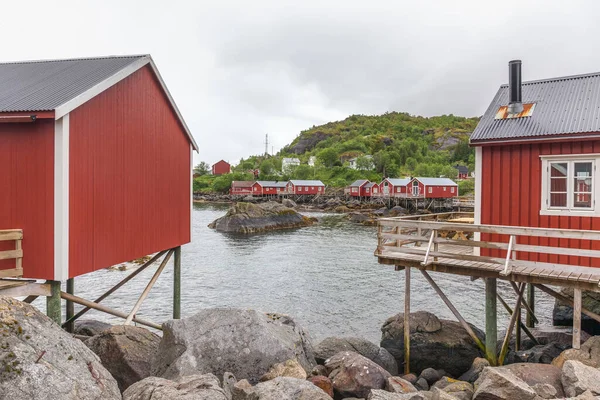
[(53, 308), (70, 305), (107, 310), (511, 325), (525, 329), (146, 291), (567, 301), (460, 318), (407, 321), (491, 321), (577, 318), (177, 283), (30, 299), (530, 311), (530, 305), (117, 286)]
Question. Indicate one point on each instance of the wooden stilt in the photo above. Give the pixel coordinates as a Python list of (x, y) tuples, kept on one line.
[(448, 303), (70, 305), (407, 320), (525, 329), (567, 301), (511, 325), (530, 311), (30, 299), (518, 329), (491, 321), (531, 319), (177, 283), (146, 291), (577, 318), (53, 309)]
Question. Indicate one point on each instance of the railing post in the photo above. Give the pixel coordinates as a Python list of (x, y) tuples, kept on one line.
[(491, 321), (577, 318), (508, 255)]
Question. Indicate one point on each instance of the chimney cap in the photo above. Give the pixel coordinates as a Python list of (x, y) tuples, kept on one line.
[(514, 62)]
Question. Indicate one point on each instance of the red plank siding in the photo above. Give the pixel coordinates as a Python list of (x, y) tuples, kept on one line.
[(129, 176), (27, 193)]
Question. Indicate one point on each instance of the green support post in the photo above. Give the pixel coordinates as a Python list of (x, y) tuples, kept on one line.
[(491, 321), (177, 283), (70, 327), (531, 302), (53, 309)]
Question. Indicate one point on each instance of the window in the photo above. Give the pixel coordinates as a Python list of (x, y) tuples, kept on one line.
[(397, 190), (452, 189), (568, 185), (255, 188), (430, 189), (444, 188)]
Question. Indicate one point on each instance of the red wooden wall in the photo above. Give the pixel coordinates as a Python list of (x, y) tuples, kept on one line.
[(437, 192), (511, 195), (221, 168), (27, 193), (129, 176)]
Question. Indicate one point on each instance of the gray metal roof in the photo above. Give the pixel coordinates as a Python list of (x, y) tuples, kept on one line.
[(359, 183), (398, 181), (437, 181), (563, 106), (45, 85), (370, 185), (307, 183), (275, 184)]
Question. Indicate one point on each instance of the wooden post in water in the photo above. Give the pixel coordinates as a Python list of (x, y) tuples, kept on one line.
[(576, 318), (530, 322), (53, 310), (70, 305), (177, 283), (407, 320), (491, 321)]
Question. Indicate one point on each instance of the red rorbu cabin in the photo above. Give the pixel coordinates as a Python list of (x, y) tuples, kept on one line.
[(96, 164), (221, 168), (241, 188), (392, 187), (305, 187), (268, 188), (358, 188), (537, 152), (432, 188)]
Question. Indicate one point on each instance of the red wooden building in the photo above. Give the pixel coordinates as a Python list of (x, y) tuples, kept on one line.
[(241, 188), (462, 171), (431, 188), (221, 168), (268, 188), (305, 187), (392, 187), (537, 150), (95, 164), (358, 188)]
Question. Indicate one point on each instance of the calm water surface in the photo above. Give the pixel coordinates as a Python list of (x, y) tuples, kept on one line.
[(325, 276)]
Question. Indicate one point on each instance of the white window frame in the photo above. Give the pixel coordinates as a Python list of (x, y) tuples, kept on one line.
[(451, 189), (430, 190), (569, 210)]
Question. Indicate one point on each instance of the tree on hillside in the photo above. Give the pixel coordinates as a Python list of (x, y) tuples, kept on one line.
[(303, 172), (364, 163), (328, 157), (201, 169)]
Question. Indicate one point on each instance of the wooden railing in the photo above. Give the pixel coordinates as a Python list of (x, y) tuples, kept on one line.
[(423, 235), (15, 235)]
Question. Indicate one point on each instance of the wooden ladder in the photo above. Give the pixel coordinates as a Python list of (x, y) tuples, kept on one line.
[(15, 235)]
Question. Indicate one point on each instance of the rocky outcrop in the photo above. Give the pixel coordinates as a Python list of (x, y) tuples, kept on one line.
[(333, 345), (354, 375), (90, 327), (434, 343), (537, 374), (577, 378), (127, 352), (39, 360), (196, 387), (279, 389), (542, 354), (244, 342), (252, 218), (498, 383), (308, 142), (588, 354), (562, 314)]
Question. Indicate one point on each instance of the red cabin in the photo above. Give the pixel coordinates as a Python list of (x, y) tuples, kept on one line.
[(268, 188), (221, 168), (392, 187), (431, 188), (241, 188), (96, 164), (358, 188), (462, 171), (305, 187), (537, 151)]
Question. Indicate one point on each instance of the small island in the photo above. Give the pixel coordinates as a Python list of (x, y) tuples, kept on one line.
[(254, 218)]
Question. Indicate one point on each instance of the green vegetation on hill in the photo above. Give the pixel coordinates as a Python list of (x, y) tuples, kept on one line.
[(393, 145)]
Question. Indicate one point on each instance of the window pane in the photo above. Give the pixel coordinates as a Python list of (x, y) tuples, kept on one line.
[(582, 200), (582, 185), (558, 199), (558, 184), (558, 169)]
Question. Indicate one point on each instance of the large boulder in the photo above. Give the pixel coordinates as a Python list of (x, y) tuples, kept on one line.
[(435, 343), (588, 354), (333, 345), (39, 360), (354, 375), (499, 383), (377, 394), (244, 217), (476, 369), (90, 327), (279, 389), (542, 354), (562, 314), (192, 387), (244, 342), (127, 352), (578, 377), (537, 374)]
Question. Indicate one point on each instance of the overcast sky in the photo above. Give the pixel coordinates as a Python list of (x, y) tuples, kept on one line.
[(241, 69)]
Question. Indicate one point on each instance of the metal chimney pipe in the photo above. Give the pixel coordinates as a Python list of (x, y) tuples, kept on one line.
[(515, 102)]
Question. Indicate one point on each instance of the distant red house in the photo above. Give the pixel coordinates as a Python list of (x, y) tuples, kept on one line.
[(357, 188), (221, 168), (431, 188), (305, 187), (241, 188), (462, 171), (265, 188)]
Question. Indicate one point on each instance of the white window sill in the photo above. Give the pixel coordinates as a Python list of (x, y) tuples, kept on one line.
[(571, 213)]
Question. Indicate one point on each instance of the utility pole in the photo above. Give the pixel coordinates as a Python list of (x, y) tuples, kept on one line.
[(267, 144)]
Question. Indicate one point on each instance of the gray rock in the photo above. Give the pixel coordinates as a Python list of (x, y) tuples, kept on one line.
[(422, 384), (377, 394), (498, 383), (308, 142), (333, 345), (395, 384), (459, 390), (562, 314), (588, 354), (90, 327), (244, 217), (279, 389), (191, 387), (126, 351), (578, 377), (289, 203), (545, 390), (358, 217), (431, 375), (244, 342), (542, 354), (319, 370), (443, 382), (355, 375), (434, 343), (533, 374), (39, 360), (476, 368), (587, 395), (229, 382), (412, 378), (562, 336)]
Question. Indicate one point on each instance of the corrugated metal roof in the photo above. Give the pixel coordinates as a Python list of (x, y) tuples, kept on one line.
[(563, 106), (359, 183), (398, 181), (242, 184), (370, 185), (275, 184), (307, 183), (437, 181), (45, 85)]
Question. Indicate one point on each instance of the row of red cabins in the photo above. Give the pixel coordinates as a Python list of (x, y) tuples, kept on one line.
[(414, 188), (269, 188)]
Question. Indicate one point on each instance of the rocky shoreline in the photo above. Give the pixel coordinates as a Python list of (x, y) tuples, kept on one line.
[(241, 354)]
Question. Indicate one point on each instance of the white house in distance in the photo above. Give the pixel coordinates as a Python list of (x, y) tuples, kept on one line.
[(311, 161), (288, 163), (353, 162)]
